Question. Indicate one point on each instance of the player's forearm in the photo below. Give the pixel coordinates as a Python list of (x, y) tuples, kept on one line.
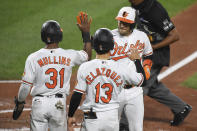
[(87, 44), (170, 39), (140, 69), (83, 23), (23, 91), (88, 49), (74, 103)]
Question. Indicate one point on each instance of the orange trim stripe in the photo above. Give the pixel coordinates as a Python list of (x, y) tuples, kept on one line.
[(119, 57), (27, 82), (77, 90), (141, 81), (125, 20)]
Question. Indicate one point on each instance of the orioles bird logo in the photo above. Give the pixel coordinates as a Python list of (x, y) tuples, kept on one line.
[(125, 14)]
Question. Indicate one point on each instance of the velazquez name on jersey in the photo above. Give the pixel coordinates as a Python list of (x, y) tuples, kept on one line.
[(104, 72)]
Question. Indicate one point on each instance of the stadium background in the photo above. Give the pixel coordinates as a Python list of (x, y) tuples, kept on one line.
[(20, 25)]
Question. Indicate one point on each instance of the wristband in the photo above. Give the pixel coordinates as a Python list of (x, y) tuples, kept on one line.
[(86, 37)]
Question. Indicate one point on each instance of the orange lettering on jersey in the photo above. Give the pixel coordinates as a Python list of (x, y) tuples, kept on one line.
[(116, 79), (119, 84), (60, 60), (63, 61), (40, 62), (55, 62), (115, 49), (49, 58), (45, 60), (121, 51), (141, 46), (138, 45), (89, 80), (92, 75), (98, 72), (68, 62), (113, 75), (108, 72), (103, 70)]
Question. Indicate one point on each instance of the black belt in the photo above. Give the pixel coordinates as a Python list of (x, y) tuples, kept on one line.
[(90, 115), (56, 95), (128, 86)]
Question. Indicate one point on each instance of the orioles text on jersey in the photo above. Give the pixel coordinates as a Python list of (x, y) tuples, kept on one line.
[(120, 50), (104, 72), (54, 60)]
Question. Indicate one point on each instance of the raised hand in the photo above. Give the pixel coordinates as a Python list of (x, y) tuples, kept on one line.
[(83, 22)]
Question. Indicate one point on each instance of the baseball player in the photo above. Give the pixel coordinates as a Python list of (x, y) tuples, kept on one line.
[(155, 21), (126, 37), (48, 71), (101, 80)]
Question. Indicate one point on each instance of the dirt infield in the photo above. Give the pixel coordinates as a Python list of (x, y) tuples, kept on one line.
[(157, 116)]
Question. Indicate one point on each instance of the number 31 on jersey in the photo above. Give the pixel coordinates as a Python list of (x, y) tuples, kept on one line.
[(54, 77)]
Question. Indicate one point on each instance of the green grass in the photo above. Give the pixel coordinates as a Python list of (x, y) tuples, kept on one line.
[(191, 82), (176, 6), (21, 21)]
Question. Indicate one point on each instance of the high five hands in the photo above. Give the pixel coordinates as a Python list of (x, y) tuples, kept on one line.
[(83, 22)]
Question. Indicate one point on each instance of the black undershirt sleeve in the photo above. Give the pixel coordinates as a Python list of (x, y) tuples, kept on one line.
[(140, 69), (74, 103)]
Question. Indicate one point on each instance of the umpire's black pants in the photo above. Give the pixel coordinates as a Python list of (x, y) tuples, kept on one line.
[(158, 91)]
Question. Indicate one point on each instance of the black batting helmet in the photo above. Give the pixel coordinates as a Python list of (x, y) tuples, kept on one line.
[(51, 32), (103, 41)]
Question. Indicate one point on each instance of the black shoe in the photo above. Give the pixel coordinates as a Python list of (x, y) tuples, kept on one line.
[(179, 117), (123, 127)]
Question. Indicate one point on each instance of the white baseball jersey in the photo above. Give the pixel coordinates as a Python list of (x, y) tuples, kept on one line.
[(131, 100), (49, 70), (102, 81), (136, 39)]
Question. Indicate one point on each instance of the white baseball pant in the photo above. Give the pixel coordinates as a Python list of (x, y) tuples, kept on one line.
[(47, 113), (106, 121), (133, 108)]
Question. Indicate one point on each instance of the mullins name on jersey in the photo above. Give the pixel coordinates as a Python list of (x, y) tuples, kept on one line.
[(54, 60), (104, 72)]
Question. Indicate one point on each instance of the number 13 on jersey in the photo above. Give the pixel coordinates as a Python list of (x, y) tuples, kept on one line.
[(102, 88)]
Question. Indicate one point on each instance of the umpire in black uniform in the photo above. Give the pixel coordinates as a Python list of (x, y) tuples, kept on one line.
[(155, 22)]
